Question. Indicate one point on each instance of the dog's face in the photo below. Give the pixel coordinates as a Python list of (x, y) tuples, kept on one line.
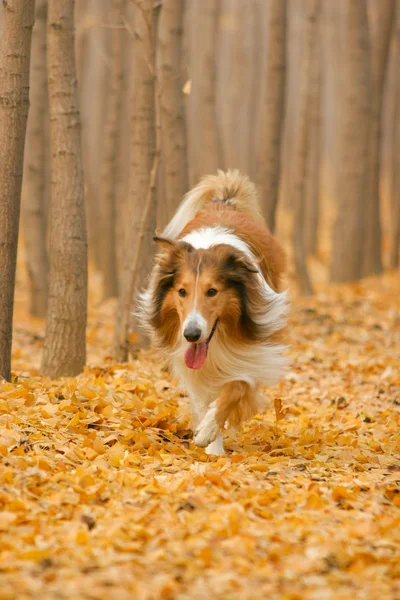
[(198, 292)]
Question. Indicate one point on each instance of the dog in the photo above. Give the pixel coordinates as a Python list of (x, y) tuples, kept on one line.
[(213, 304)]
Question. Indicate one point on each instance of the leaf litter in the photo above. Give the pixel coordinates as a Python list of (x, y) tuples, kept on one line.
[(103, 494)]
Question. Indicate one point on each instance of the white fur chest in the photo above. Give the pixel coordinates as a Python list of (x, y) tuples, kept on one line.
[(226, 362)]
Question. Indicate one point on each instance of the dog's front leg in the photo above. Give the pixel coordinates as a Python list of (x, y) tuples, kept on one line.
[(208, 429), (217, 446)]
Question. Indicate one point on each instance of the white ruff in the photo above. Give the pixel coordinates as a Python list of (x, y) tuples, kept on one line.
[(255, 364)]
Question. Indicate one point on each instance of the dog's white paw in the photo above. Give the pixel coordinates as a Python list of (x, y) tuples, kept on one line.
[(208, 428), (217, 446)]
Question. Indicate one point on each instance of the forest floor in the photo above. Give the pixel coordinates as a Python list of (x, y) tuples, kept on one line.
[(103, 495)]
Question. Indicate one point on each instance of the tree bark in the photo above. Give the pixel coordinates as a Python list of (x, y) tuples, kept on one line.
[(140, 219), (173, 127), (302, 148), (372, 255), (35, 185), (111, 171), (353, 157), (204, 135), (93, 93), (269, 153), (15, 49), (65, 343), (394, 235), (313, 177), (125, 135)]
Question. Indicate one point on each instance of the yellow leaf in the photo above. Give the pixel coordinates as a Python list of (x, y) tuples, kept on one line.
[(115, 455), (98, 446), (82, 537), (6, 519), (280, 412), (340, 493), (75, 420), (35, 554), (314, 502)]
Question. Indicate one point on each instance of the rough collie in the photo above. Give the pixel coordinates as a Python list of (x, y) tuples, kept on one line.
[(213, 304)]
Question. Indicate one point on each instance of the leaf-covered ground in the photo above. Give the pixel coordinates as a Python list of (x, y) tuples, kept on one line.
[(103, 495)]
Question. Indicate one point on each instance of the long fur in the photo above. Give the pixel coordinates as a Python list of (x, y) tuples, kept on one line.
[(220, 220)]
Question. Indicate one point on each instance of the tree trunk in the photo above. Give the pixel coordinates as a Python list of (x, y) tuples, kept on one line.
[(313, 177), (256, 36), (204, 135), (15, 49), (353, 157), (372, 256), (111, 162), (269, 152), (65, 344), (173, 127), (35, 185), (302, 148), (232, 77), (394, 237), (141, 218), (125, 135), (93, 94)]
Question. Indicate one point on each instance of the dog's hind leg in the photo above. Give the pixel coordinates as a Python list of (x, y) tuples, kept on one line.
[(236, 403)]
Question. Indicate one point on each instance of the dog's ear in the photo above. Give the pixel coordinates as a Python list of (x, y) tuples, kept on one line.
[(176, 246), (242, 262), (165, 243)]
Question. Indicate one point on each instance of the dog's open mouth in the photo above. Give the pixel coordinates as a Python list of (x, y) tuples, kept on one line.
[(196, 354)]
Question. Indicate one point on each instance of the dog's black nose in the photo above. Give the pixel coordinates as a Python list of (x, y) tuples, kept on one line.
[(192, 334)]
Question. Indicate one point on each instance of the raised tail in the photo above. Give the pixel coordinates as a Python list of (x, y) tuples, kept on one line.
[(230, 188)]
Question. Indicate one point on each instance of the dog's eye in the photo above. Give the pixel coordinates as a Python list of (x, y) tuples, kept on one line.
[(212, 292), (182, 292)]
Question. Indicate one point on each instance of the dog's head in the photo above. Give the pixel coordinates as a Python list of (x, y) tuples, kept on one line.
[(200, 292)]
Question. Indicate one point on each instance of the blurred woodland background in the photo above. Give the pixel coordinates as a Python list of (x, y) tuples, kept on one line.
[(132, 101)]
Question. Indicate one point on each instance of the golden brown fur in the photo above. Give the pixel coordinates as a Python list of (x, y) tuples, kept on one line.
[(256, 235)]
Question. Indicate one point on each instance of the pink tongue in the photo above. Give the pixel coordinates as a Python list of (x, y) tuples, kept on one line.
[(195, 355)]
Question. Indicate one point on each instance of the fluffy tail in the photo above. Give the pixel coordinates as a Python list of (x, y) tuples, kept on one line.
[(230, 187)]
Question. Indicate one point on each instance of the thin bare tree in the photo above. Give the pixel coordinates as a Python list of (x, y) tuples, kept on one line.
[(15, 50), (145, 148), (269, 152), (394, 234), (35, 184), (353, 155), (204, 139), (380, 35), (111, 160), (125, 134), (94, 65), (302, 146), (313, 177), (65, 343), (173, 127)]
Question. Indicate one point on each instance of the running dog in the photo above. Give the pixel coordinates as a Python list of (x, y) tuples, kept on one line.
[(213, 304)]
